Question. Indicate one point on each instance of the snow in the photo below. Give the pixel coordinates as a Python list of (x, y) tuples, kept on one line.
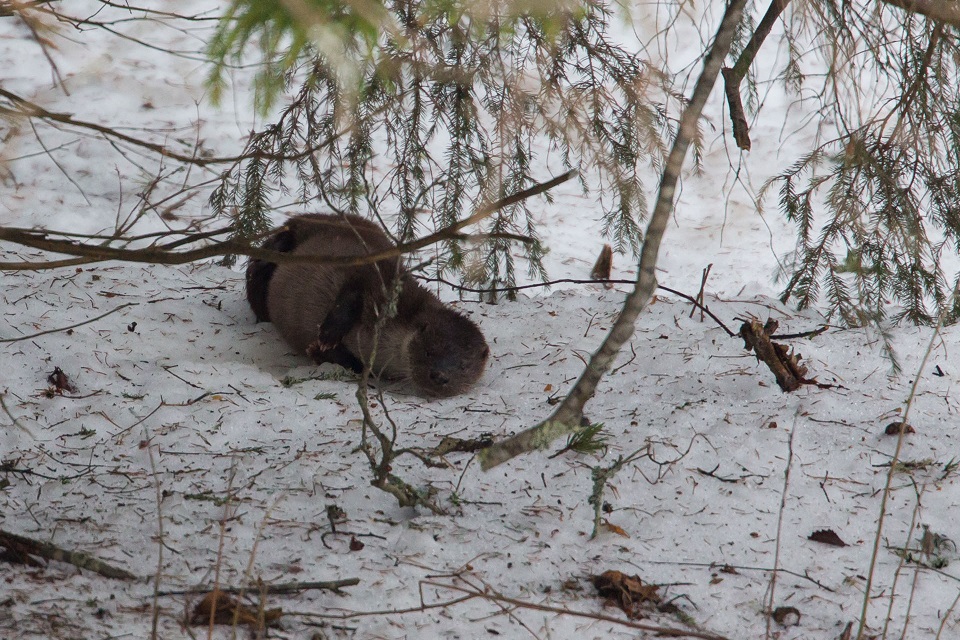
[(182, 457)]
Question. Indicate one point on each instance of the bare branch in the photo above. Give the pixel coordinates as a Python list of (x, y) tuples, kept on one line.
[(28, 109), (38, 239), (733, 77), (29, 546)]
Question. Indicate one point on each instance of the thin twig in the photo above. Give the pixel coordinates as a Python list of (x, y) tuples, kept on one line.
[(28, 109), (73, 326), (550, 283), (155, 600), (887, 488), (712, 565), (282, 588), (668, 632), (16, 422), (703, 284), (162, 255), (776, 551)]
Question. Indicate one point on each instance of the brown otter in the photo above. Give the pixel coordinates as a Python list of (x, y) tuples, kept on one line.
[(330, 312)]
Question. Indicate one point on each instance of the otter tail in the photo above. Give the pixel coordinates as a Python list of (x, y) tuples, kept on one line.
[(259, 273)]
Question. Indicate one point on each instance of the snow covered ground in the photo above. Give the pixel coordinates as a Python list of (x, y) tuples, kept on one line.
[(196, 448)]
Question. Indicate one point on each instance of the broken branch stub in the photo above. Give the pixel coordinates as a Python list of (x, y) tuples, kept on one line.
[(786, 367)]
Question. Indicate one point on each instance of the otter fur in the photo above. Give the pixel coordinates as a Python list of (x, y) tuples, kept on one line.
[(330, 312)]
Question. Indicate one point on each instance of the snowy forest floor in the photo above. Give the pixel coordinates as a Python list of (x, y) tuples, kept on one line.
[(194, 448)]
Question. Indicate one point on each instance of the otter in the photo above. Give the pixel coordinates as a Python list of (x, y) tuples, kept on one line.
[(330, 312)]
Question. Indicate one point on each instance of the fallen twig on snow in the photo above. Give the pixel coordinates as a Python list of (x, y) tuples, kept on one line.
[(274, 589), (30, 547)]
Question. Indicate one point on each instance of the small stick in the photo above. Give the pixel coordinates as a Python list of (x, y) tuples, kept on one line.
[(16, 422), (283, 588), (703, 284), (52, 552), (73, 326)]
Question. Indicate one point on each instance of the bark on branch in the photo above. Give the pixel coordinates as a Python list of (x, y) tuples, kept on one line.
[(567, 418), (784, 364), (22, 548), (732, 77)]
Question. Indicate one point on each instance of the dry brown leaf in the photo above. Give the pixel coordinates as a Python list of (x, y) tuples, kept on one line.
[(787, 616), (627, 592), (226, 609), (827, 536), (612, 528), (60, 381), (847, 632), (894, 428)]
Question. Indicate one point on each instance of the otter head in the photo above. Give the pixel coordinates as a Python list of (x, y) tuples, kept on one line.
[(447, 354)]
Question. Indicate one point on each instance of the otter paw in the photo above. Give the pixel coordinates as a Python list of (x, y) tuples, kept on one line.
[(319, 350)]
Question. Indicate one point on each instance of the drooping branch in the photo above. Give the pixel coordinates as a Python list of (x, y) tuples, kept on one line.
[(732, 77), (24, 108), (164, 254), (566, 419)]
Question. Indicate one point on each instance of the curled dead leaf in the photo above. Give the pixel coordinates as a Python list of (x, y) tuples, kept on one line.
[(786, 616), (894, 428), (60, 381), (612, 528), (627, 592)]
